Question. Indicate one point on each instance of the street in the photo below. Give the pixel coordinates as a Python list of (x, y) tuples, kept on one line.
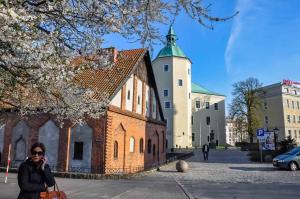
[(226, 174)]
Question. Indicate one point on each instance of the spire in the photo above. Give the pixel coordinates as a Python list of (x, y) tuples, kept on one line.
[(171, 37)]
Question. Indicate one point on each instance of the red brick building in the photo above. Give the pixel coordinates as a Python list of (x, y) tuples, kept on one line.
[(128, 138)]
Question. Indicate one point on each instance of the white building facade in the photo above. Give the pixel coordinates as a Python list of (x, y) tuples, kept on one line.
[(172, 70)]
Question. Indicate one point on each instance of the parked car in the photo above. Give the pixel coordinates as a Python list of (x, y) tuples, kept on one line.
[(289, 160)]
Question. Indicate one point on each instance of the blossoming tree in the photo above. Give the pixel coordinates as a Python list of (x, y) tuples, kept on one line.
[(39, 39)]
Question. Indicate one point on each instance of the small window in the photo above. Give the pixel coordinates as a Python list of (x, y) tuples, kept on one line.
[(78, 151), (167, 105), (266, 120), (288, 118), (208, 120), (288, 103), (189, 95), (166, 68), (295, 133), (166, 93), (180, 82), (265, 105), (192, 120), (298, 105), (193, 137), (216, 106), (188, 71), (207, 105), (141, 145), (293, 104), (290, 133), (139, 100), (295, 92), (116, 150), (131, 145), (197, 104), (128, 94), (149, 145), (294, 118), (298, 119)]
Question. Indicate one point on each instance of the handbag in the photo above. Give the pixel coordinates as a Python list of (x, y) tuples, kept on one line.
[(53, 194)]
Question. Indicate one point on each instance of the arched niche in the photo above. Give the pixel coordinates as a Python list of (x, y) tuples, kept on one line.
[(49, 135), (19, 143), (81, 148)]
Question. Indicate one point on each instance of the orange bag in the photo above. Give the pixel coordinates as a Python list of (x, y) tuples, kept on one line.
[(53, 194)]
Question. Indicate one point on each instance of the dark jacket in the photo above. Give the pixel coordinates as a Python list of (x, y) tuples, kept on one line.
[(32, 180), (207, 148)]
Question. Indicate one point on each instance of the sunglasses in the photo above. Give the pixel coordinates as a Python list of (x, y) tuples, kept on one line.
[(39, 153)]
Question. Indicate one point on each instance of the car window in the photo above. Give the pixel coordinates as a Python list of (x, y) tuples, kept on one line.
[(294, 151)]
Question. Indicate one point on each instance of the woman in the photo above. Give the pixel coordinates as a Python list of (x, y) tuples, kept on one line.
[(34, 174)]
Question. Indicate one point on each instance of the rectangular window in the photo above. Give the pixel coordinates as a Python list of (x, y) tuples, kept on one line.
[(167, 104), (188, 71), (166, 68), (128, 94), (290, 133), (139, 100), (294, 118), (192, 120), (295, 133), (208, 120), (193, 137), (288, 103), (288, 118), (298, 119), (207, 105), (293, 105), (197, 104), (216, 106), (189, 95), (78, 151), (180, 82), (266, 105), (298, 105), (166, 93), (266, 120), (295, 92)]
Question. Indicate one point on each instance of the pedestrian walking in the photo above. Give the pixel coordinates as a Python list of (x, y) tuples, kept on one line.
[(205, 150), (34, 175)]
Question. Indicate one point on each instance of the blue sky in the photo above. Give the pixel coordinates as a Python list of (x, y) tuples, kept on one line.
[(263, 41)]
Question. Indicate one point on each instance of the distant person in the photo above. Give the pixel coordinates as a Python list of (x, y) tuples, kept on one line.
[(205, 150), (34, 175)]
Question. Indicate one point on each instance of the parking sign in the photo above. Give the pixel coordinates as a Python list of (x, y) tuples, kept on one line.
[(260, 133)]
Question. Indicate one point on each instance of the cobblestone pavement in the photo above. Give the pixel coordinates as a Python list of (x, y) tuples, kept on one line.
[(229, 174)]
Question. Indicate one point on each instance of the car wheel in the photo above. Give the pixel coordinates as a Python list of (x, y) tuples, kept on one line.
[(293, 166)]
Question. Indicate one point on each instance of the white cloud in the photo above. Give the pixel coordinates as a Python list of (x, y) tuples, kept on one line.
[(243, 6)]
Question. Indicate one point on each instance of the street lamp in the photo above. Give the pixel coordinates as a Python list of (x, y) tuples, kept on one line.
[(276, 130)]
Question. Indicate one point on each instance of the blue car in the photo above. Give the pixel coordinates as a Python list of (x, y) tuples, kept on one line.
[(289, 160)]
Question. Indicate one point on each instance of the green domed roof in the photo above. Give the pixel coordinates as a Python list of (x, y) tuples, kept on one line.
[(171, 49)]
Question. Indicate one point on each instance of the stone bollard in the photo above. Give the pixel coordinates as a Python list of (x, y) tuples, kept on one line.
[(182, 166)]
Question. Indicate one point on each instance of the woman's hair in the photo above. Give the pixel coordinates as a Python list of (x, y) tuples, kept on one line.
[(38, 144)]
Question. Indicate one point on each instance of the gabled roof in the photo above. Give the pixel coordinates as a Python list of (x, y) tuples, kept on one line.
[(199, 89), (108, 80)]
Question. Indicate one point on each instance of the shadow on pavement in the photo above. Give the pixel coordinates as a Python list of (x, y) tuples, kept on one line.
[(254, 168)]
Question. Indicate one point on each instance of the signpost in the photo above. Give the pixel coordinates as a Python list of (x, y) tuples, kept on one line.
[(260, 133)]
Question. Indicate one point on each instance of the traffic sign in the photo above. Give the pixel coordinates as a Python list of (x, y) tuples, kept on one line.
[(260, 133)]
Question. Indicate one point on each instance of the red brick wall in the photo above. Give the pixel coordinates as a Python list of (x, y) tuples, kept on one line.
[(123, 125)]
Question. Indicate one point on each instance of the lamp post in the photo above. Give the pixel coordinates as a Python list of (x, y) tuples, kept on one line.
[(276, 130)]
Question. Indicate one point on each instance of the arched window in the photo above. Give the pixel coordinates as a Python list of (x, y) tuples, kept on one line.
[(131, 144), (141, 145), (116, 150), (149, 145)]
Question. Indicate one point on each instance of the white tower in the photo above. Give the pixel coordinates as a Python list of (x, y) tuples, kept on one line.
[(172, 71)]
